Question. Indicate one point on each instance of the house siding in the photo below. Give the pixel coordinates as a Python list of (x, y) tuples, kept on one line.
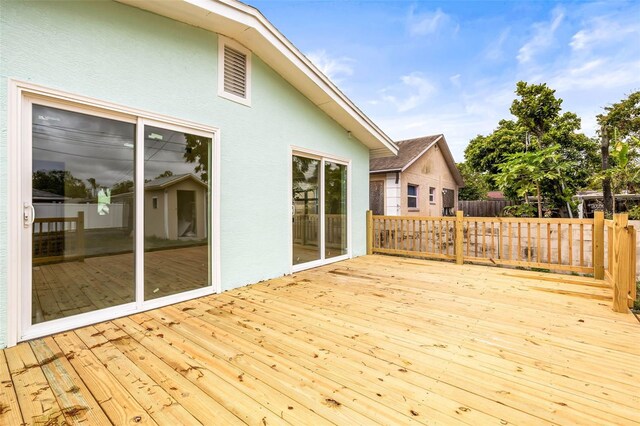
[(120, 54), (393, 191), (430, 170)]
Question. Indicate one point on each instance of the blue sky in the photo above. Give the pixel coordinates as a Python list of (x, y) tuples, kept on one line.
[(426, 67)]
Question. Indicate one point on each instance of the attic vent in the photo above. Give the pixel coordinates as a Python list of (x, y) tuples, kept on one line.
[(235, 72), (234, 80)]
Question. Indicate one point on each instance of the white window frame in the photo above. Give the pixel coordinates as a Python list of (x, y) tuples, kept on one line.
[(432, 195), (154, 203), (21, 96), (323, 157), (222, 42), (416, 197)]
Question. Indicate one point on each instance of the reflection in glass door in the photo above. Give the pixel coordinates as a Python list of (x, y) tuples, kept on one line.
[(319, 210), (306, 209), (116, 215), (176, 213), (335, 210), (83, 213)]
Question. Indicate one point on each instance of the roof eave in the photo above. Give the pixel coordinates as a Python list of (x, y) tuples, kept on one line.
[(398, 169), (248, 26)]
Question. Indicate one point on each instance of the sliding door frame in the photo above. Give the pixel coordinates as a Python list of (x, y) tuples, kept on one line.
[(323, 158), (21, 96)]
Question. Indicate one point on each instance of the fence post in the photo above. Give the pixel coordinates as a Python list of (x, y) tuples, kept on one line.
[(632, 265), (620, 267), (459, 237), (598, 245), (369, 232), (80, 236)]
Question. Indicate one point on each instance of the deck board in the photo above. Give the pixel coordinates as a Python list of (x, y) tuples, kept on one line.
[(372, 340)]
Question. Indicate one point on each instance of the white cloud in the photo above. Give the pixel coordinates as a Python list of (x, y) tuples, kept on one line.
[(600, 73), (427, 23), (543, 36), (604, 31), (495, 51), (413, 92), (455, 80), (334, 68)]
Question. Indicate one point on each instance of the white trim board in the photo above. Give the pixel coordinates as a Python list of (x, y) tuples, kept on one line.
[(20, 97)]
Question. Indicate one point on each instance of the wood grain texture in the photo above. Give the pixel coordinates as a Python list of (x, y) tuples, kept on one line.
[(372, 340)]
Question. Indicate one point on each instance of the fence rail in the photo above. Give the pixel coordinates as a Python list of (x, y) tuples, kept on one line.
[(565, 245), (58, 238)]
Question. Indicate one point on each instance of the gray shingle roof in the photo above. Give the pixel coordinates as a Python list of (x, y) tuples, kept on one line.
[(410, 150)]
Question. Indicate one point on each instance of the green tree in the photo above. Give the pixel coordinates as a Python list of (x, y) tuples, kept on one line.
[(485, 153), (122, 187), (526, 172), (94, 186), (539, 123), (197, 151), (623, 119), (166, 173), (536, 107), (475, 184), (60, 182)]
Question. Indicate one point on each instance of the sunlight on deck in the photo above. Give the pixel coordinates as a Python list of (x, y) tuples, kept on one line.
[(373, 340)]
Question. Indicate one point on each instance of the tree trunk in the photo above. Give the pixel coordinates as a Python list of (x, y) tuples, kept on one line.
[(606, 182), (539, 201)]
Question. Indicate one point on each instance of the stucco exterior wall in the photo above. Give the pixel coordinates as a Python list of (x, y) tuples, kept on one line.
[(154, 218), (430, 170), (116, 53)]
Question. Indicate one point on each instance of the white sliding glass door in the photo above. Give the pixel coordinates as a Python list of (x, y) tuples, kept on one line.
[(320, 209), (116, 215)]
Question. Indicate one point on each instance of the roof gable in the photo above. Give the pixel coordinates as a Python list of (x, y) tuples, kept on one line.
[(410, 150), (249, 27), (167, 181)]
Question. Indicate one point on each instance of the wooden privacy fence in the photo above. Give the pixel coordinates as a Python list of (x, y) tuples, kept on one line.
[(484, 208), (58, 238), (567, 245)]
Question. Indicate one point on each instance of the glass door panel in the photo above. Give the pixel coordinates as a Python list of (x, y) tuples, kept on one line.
[(335, 209), (306, 209), (177, 235), (82, 196)]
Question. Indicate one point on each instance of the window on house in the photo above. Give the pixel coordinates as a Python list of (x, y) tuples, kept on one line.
[(432, 195), (234, 79), (154, 202), (412, 196)]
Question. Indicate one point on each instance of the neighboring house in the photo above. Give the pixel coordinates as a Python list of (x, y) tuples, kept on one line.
[(422, 180), (590, 201), (177, 207), (495, 196), (118, 93)]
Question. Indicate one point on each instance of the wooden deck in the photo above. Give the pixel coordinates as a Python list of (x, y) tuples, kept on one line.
[(373, 340)]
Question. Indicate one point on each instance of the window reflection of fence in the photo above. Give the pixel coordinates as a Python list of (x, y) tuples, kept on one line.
[(58, 238), (306, 229)]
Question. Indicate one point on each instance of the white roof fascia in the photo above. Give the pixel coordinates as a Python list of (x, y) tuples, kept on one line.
[(249, 27)]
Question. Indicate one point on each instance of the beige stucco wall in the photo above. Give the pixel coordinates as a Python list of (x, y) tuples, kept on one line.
[(430, 170), (154, 218)]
